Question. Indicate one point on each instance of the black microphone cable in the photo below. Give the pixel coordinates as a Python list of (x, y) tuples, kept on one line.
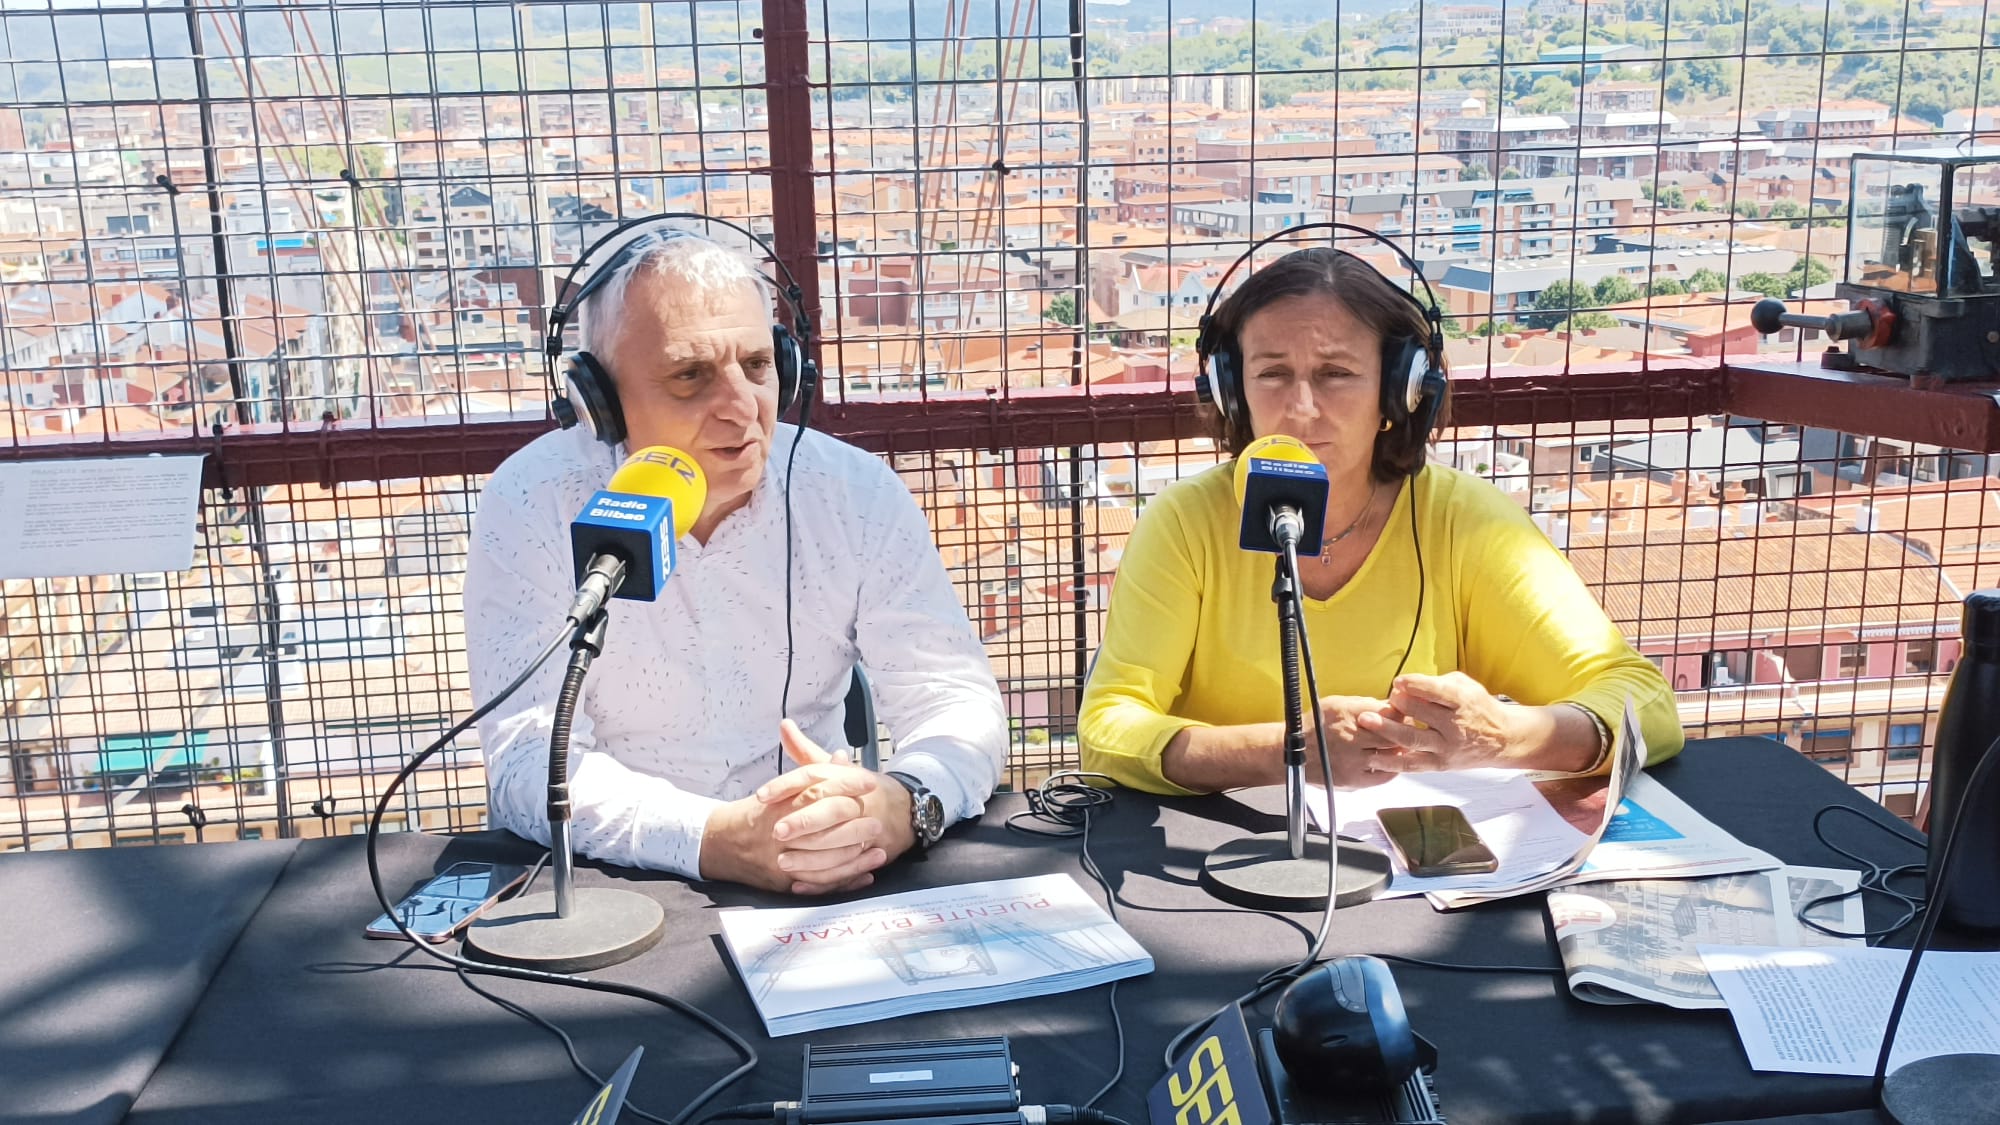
[(1285, 974), (1068, 800), (1974, 787), (465, 966), (1875, 879)]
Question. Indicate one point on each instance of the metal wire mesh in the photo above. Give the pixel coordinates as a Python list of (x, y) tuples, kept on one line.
[(317, 241)]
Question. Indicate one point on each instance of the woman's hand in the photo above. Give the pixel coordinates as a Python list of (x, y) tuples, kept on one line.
[(1451, 722), (1350, 743)]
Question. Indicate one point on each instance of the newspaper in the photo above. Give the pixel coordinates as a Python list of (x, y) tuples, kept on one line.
[(1822, 1011), (815, 967), (1552, 833), (1635, 941)]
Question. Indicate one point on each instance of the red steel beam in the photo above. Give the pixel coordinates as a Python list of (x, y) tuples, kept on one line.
[(1962, 416), (788, 96), (1029, 418)]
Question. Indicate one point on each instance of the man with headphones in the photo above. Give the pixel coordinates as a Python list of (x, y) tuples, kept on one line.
[(696, 746), (1449, 633)]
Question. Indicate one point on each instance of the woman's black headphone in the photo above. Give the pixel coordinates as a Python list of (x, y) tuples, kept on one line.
[(1413, 380), (587, 393)]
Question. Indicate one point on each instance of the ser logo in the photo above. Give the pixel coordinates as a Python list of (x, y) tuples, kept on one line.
[(1217, 1083), (1208, 1098)]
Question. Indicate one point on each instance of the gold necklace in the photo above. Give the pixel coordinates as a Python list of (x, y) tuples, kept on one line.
[(1324, 557)]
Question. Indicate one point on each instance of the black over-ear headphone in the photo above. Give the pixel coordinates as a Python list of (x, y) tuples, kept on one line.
[(1413, 379), (586, 392)]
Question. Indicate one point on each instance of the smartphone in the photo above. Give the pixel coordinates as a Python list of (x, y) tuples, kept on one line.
[(448, 901), (1437, 840)]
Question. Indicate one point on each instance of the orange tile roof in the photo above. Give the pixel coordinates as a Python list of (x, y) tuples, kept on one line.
[(1767, 580)]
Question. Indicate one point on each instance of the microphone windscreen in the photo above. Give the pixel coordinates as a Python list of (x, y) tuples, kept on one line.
[(1278, 471), (1275, 448), (661, 470)]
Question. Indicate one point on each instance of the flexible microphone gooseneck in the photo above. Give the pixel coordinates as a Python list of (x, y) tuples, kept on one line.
[(623, 544), (1283, 490)]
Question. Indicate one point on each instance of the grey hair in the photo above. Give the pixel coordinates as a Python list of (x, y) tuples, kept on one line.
[(703, 263)]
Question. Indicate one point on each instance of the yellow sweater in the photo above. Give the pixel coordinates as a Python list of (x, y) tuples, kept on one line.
[(1192, 635)]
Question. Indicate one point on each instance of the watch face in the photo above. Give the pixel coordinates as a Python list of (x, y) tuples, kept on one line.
[(930, 817)]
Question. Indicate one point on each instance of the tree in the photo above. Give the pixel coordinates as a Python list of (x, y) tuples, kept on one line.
[(1551, 94), (1703, 205), (1672, 196), (1808, 273), (1614, 290), (1769, 284), (1707, 281), (1786, 209), (1474, 172), (1666, 287), (1554, 304), (1593, 320), (1062, 309)]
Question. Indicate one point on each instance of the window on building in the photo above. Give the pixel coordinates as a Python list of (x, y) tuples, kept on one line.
[(141, 839), (1920, 658), (1803, 662), (249, 833), (1729, 669), (1906, 742), (1853, 661)]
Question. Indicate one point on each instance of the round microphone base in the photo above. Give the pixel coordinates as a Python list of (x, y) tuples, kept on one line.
[(605, 926), (1942, 1088), (1259, 873)]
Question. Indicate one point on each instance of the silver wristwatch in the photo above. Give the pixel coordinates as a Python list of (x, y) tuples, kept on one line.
[(926, 811)]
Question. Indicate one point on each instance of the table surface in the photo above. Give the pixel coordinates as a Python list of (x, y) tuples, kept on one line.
[(235, 983)]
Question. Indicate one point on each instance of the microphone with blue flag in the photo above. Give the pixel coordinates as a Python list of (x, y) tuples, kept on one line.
[(623, 541), (1282, 488)]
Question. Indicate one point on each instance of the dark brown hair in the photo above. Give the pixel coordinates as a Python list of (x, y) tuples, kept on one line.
[(1363, 292)]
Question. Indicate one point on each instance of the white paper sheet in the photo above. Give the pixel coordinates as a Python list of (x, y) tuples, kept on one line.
[(1822, 1010), (113, 515), (1526, 834)]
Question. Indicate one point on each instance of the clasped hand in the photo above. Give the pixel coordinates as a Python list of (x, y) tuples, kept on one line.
[(821, 828), (1448, 722)]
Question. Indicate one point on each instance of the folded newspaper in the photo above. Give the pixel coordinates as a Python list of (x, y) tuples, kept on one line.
[(1636, 941), (1553, 833), (814, 967)]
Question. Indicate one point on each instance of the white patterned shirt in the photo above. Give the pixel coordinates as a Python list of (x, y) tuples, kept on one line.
[(680, 713)]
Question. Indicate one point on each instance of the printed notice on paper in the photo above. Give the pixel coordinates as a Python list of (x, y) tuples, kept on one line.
[(1822, 1010), (109, 515)]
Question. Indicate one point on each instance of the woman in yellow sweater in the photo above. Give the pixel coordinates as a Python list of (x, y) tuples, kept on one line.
[(1436, 609)]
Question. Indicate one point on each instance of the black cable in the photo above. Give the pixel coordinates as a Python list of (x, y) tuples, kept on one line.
[(1874, 878), (1071, 1115), (1455, 967), (1417, 545), (1325, 771), (1070, 804), (737, 1042), (791, 460), (1285, 974), (1973, 788), (749, 1111)]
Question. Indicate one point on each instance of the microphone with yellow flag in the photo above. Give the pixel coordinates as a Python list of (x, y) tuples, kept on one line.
[(1282, 489), (623, 540)]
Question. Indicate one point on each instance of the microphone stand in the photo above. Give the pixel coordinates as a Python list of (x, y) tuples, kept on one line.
[(1942, 1089), (1285, 592), (567, 930), (1288, 870)]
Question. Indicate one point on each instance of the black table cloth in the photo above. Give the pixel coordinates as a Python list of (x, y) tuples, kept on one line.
[(103, 955), (307, 1021)]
